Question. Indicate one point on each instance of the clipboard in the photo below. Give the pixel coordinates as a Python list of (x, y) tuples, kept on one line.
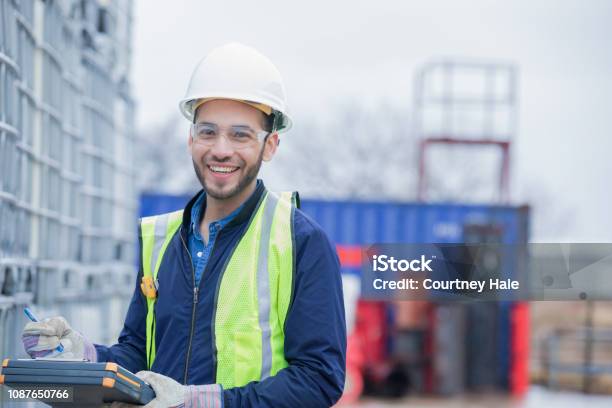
[(93, 384)]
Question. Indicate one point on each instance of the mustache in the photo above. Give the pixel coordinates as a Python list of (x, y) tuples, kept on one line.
[(226, 160)]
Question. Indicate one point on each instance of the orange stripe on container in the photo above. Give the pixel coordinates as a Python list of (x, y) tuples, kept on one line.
[(111, 367)]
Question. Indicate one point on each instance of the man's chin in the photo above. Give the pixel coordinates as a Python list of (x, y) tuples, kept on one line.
[(221, 192)]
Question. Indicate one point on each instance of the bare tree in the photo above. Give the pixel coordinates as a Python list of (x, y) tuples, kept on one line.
[(359, 153)]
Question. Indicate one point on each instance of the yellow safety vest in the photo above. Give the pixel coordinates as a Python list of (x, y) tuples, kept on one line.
[(253, 296)]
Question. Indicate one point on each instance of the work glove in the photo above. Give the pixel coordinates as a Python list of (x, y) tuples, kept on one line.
[(40, 339), (171, 394)]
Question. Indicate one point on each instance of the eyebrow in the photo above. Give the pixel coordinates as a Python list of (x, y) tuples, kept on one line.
[(240, 126)]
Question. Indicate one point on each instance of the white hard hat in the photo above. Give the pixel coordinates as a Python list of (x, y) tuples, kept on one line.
[(235, 71)]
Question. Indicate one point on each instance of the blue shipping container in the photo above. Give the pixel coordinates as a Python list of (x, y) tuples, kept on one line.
[(360, 223)]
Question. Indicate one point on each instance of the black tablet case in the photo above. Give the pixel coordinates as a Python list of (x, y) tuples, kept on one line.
[(93, 383)]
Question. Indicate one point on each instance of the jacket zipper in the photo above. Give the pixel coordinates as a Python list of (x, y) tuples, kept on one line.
[(193, 310), (196, 291)]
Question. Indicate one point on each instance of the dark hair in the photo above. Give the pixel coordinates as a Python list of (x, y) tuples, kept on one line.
[(269, 122)]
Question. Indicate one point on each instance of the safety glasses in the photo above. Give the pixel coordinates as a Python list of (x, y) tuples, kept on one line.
[(239, 136)]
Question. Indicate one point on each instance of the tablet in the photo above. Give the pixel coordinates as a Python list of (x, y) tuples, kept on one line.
[(87, 384)]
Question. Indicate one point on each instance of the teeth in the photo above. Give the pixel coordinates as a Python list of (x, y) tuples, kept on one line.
[(219, 169)]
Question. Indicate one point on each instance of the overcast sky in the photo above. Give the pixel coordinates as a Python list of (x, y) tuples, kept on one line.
[(335, 51)]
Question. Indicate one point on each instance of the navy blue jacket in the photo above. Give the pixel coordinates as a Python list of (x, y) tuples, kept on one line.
[(315, 330)]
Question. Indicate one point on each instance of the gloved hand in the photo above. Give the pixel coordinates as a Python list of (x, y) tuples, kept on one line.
[(171, 394), (40, 339)]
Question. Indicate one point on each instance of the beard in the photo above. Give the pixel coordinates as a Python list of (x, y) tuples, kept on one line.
[(250, 174)]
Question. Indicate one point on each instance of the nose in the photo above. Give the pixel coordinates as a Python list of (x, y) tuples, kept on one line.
[(222, 148)]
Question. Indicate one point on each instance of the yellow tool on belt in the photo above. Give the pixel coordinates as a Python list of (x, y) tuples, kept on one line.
[(148, 287)]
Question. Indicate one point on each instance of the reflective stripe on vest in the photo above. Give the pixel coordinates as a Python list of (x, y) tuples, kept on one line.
[(156, 233), (252, 296)]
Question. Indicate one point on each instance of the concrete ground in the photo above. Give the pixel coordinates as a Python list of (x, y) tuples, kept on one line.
[(537, 397)]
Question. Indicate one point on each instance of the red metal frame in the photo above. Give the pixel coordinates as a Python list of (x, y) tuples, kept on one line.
[(446, 99), (519, 368)]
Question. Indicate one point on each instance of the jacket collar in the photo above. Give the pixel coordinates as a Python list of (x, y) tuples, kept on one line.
[(244, 215)]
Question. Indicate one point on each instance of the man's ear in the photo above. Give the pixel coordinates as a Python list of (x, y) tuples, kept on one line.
[(271, 144), (189, 139)]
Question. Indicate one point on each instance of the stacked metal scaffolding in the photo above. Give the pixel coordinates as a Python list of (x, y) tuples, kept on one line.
[(68, 204)]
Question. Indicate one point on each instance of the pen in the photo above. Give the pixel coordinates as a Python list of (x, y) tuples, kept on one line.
[(28, 312)]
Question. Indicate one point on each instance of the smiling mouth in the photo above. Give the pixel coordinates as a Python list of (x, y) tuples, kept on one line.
[(223, 169)]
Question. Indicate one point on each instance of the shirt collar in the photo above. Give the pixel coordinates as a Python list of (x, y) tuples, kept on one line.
[(196, 215)]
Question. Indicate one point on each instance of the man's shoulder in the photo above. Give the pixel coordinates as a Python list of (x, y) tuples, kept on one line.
[(170, 214), (149, 224), (306, 228), (315, 253)]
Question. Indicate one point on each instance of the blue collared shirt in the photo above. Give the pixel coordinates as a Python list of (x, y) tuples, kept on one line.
[(199, 250)]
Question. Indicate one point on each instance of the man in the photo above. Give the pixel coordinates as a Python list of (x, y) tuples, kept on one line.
[(238, 301)]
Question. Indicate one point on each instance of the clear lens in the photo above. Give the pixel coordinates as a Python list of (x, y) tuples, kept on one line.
[(238, 136)]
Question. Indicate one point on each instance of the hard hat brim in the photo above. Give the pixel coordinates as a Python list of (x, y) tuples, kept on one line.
[(186, 107)]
